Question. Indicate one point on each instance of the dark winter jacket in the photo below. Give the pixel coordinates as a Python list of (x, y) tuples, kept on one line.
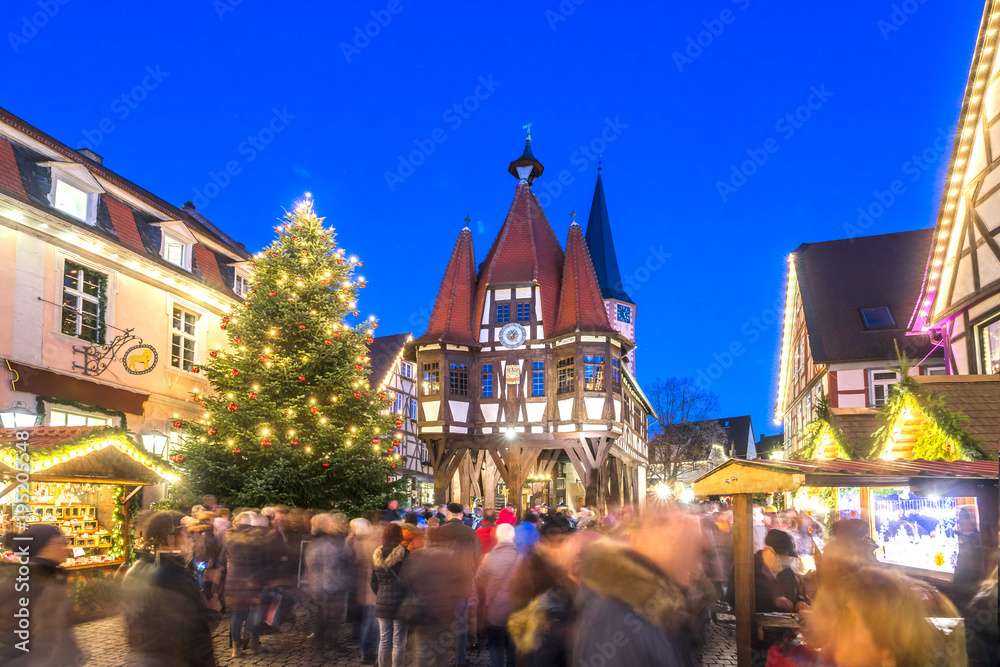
[(327, 562), (464, 544), (166, 620), (50, 611), (386, 581), (542, 601), (495, 578), (249, 569), (432, 577), (628, 610)]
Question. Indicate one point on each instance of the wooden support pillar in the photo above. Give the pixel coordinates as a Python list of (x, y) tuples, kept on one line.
[(469, 471), (866, 509), (589, 459), (743, 580), (490, 474), (446, 457), (514, 464), (986, 503), (615, 477)]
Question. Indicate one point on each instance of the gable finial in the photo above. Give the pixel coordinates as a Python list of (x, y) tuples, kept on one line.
[(468, 219), (528, 129), (600, 159)]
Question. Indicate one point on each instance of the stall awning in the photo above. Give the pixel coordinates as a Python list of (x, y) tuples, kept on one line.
[(757, 476), (82, 453)]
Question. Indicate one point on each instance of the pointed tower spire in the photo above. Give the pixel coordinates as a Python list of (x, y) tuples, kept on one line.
[(451, 320), (581, 307), (602, 247)]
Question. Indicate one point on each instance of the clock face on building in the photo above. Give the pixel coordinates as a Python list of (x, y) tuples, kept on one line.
[(512, 334), (624, 313)]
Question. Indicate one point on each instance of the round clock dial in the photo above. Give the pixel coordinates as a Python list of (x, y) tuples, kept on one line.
[(512, 334)]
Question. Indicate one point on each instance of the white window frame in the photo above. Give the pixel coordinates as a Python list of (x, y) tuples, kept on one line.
[(881, 382), (186, 251), (193, 337), (80, 297), (241, 284), (406, 369), (79, 178), (90, 208)]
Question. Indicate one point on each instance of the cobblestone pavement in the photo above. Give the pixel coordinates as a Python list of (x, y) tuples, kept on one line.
[(104, 645)]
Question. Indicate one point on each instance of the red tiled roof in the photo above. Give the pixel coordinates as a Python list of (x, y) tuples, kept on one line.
[(525, 250), (124, 224), (10, 175), (209, 266), (44, 437), (452, 320), (837, 278), (914, 468), (581, 306)]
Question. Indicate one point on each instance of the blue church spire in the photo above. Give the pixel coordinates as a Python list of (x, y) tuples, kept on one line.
[(602, 247)]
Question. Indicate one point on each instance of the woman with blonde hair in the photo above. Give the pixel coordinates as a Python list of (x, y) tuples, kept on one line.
[(873, 617), (362, 543)]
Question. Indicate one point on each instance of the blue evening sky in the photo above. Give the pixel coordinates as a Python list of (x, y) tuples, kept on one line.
[(629, 79)]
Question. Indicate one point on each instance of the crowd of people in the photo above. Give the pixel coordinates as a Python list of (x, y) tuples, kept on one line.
[(539, 588)]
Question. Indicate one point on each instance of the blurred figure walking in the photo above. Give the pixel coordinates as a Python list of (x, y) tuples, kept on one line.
[(495, 580), (390, 591), (361, 544), (326, 558)]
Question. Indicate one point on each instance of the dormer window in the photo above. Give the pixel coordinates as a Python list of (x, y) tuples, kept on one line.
[(241, 285), (176, 243), (175, 252), (74, 191), (72, 201)]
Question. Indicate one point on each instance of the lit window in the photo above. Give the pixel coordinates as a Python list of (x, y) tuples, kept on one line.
[(432, 379), (537, 378), (175, 252), (991, 348), (83, 295), (616, 376), (593, 373), (523, 312), (413, 409), (487, 380), (564, 368), (64, 418), (624, 313), (182, 339), (877, 318), (503, 313), (72, 200), (406, 369), (459, 379), (241, 286), (881, 382), (398, 403)]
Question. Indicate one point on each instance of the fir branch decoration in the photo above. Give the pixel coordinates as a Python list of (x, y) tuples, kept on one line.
[(821, 429), (40, 402), (942, 431)]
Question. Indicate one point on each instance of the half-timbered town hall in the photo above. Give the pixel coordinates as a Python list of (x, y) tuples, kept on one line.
[(526, 364)]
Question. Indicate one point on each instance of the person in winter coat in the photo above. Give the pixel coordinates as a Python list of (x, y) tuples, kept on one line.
[(487, 531), (161, 604), (413, 534), (326, 558), (248, 574), (387, 583), (981, 638), (507, 515), (41, 548), (637, 592), (467, 552), (527, 534), (495, 576), (362, 543)]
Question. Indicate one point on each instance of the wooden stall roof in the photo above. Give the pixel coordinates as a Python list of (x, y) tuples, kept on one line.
[(103, 455), (757, 476)]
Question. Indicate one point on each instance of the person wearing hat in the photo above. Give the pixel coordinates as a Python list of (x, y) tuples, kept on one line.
[(42, 549), (777, 588)]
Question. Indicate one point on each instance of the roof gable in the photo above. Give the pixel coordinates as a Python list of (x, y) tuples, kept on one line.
[(581, 306), (451, 319), (382, 353)]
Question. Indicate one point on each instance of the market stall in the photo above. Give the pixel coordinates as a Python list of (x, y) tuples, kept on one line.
[(930, 489), (84, 481)]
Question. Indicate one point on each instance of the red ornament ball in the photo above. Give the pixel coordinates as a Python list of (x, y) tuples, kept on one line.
[(213, 431), (225, 318), (252, 394), (302, 378), (265, 443), (213, 353), (237, 450), (291, 300), (359, 366), (263, 360), (293, 443), (327, 341), (381, 395), (375, 441), (355, 313), (301, 327), (235, 372), (177, 424), (232, 407), (336, 334), (195, 369), (370, 340), (357, 394), (222, 326), (272, 294), (204, 406), (314, 410), (399, 423), (237, 339), (326, 465)]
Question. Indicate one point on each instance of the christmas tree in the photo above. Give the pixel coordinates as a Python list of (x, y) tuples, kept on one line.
[(292, 418)]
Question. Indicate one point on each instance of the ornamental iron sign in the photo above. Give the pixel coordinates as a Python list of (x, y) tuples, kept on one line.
[(138, 359)]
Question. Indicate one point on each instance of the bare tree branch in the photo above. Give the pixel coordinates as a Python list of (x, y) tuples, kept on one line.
[(686, 430)]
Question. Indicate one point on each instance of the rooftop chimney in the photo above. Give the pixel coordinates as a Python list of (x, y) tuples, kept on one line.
[(90, 155)]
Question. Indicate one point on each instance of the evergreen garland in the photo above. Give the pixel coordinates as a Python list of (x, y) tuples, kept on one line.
[(942, 432), (822, 428), (40, 402)]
